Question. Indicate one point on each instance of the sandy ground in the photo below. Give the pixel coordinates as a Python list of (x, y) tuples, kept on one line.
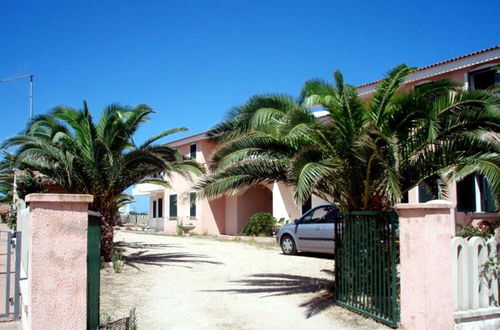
[(201, 283)]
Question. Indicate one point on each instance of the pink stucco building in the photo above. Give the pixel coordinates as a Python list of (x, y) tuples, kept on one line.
[(228, 215)]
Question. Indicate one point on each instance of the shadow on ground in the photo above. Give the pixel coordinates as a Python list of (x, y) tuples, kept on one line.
[(159, 259), (315, 255), (142, 245), (285, 284)]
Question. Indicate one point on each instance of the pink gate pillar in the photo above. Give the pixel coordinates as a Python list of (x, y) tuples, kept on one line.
[(425, 256), (57, 263)]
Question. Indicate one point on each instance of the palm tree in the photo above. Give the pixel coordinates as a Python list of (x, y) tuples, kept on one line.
[(6, 178), (368, 153), (100, 159)]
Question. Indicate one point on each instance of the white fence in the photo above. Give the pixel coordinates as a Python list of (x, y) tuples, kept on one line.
[(140, 219), (475, 277), (23, 226)]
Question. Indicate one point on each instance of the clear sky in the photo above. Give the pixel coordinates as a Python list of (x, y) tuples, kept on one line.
[(193, 60)]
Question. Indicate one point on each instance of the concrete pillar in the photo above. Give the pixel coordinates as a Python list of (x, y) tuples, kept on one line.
[(426, 266), (57, 263)]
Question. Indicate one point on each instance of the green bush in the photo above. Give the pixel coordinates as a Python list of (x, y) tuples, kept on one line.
[(484, 229), (260, 224)]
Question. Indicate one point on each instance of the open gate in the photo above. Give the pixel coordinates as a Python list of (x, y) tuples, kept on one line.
[(366, 253), (10, 264), (93, 269)]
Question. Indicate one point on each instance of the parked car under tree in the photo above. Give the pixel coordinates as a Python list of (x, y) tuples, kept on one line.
[(313, 232)]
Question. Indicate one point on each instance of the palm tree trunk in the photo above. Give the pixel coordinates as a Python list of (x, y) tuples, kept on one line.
[(107, 235)]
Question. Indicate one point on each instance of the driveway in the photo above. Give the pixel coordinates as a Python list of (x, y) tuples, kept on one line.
[(202, 283)]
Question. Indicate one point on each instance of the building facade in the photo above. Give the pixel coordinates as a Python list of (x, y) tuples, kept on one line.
[(228, 215)]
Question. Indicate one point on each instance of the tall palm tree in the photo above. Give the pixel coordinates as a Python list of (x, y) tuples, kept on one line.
[(100, 159), (368, 153)]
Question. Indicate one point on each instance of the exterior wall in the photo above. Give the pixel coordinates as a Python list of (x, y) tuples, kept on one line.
[(210, 215), (227, 215), (283, 203), (254, 200)]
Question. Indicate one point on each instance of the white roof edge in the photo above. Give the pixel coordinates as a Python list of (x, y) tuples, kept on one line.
[(188, 139), (321, 113), (462, 63)]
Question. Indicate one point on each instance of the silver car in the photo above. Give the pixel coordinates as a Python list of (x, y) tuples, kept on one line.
[(313, 232)]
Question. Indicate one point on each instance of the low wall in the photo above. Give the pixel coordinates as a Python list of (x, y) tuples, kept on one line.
[(475, 285)]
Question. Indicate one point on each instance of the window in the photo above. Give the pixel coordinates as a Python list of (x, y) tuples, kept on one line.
[(320, 215), (474, 191), (405, 198), (192, 205), (173, 206), (160, 207), (466, 194), (192, 151), (423, 194), (154, 209), (484, 79)]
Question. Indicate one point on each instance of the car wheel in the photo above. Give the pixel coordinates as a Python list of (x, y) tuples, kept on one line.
[(288, 245)]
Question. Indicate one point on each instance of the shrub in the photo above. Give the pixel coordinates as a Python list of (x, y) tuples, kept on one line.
[(12, 219), (260, 224), (117, 260), (484, 229), (178, 229)]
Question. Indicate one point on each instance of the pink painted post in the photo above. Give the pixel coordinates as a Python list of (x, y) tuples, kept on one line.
[(57, 264), (425, 255)]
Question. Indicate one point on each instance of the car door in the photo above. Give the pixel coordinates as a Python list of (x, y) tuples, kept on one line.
[(327, 231), (309, 230)]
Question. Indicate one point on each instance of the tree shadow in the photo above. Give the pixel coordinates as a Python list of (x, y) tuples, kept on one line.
[(286, 284), (142, 245), (166, 259)]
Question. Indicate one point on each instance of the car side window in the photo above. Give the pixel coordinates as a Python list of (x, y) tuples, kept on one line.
[(307, 218), (318, 215)]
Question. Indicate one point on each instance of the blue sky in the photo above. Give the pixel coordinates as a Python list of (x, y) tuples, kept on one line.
[(193, 60)]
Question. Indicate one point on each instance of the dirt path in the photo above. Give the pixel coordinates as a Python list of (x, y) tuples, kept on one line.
[(201, 283)]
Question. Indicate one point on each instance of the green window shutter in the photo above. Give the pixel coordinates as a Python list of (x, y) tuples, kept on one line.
[(192, 151), (466, 194), (173, 206), (154, 209), (489, 199), (192, 205), (160, 207)]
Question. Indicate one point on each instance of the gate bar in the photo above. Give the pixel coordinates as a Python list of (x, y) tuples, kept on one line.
[(7, 278), (17, 274)]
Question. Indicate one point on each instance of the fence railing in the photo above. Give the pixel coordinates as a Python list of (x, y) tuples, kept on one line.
[(475, 276), (366, 264)]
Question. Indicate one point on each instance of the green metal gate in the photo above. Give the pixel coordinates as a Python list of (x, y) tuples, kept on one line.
[(93, 270), (366, 253)]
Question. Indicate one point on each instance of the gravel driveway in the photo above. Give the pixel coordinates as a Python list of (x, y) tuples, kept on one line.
[(202, 283)]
